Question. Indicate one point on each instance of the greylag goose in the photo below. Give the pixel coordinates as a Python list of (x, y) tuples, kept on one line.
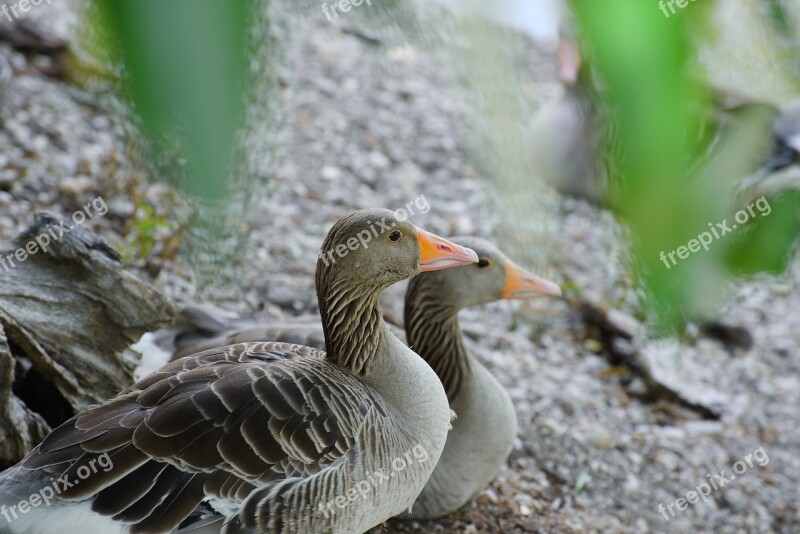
[(485, 426), (277, 437)]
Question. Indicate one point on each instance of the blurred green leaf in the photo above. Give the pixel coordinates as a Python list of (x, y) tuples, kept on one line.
[(778, 17), (186, 66), (768, 241), (670, 182), (144, 228)]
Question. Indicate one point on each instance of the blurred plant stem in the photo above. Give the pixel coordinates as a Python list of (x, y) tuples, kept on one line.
[(185, 71), (186, 66), (526, 205)]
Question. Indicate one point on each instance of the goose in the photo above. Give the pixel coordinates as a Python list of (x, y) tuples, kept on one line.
[(276, 437), (485, 427)]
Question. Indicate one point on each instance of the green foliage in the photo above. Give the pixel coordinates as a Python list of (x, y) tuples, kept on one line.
[(669, 187), (186, 68), (144, 232), (766, 245)]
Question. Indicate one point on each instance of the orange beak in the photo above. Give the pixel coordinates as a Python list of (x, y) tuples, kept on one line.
[(520, 284), (437, 253)]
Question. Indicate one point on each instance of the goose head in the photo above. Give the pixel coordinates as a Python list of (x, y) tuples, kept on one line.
[(492, 278), (373, 249), (433, 301), (365, 252)]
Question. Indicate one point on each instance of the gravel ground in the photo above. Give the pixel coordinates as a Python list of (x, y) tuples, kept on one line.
[(360, 123)]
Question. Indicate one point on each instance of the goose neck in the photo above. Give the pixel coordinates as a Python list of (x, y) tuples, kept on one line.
[(433, 332)]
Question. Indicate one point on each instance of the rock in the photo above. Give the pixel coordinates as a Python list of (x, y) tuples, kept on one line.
[(330, 173), (282, 296), (81, 288), (6, 75), (379, 160), (121, 208), (75, 187)]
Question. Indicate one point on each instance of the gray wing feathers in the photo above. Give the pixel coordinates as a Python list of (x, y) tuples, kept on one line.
[(224, 424)]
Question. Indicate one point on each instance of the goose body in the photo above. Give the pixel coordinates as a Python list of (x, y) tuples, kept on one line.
[(484, 431), (328, 453), (479, 443), (485, 428), (276, 437)]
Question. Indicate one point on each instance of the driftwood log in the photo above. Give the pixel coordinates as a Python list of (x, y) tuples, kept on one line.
[(618, 334), (68, 315)]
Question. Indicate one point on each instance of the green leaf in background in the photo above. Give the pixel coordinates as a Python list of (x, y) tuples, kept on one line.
[(768, 242), (186, 68), (778, 16), (669, 187)]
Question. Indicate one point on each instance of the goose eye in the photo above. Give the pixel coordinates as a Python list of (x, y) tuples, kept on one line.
[(484, 262), (395, 235)]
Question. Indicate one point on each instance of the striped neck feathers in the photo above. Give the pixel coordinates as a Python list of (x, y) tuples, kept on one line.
[(433, 332), (351, 321)]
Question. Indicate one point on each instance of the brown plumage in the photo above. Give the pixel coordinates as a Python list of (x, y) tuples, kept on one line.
[(485, 429), (266, 431)]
